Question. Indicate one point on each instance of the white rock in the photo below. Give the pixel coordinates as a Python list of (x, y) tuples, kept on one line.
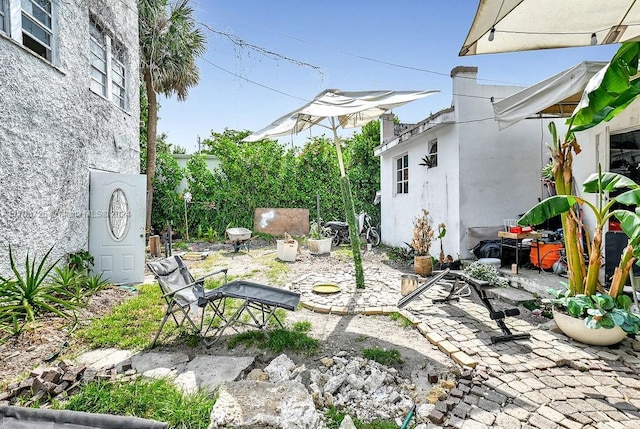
[(347, 423), (279, 369)]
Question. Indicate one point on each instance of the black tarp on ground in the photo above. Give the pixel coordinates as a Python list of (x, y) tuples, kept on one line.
[(33, 418)]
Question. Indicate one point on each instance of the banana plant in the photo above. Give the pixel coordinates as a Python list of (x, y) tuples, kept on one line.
[(607, 94), (600, 184)]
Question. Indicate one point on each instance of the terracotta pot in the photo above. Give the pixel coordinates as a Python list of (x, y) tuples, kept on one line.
[(575, 328), (423, 265)]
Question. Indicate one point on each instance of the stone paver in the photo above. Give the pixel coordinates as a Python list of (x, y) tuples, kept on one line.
[(547, 381)]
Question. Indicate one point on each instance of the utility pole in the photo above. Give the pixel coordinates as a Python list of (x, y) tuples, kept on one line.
[(198, 144)]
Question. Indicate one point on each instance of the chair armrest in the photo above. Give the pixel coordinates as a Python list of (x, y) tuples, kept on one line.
[(223, 270), (195, 282)]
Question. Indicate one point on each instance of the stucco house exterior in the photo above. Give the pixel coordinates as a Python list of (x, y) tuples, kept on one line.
[(476, 175), (69, 87)]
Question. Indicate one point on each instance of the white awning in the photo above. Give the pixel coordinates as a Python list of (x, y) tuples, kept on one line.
[(556, 96), (520, 25)]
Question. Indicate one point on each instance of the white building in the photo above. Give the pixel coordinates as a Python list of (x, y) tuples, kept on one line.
[(478, 176), (69, 87)]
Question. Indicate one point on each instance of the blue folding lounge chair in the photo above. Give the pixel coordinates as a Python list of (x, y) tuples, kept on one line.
[(258, 302)]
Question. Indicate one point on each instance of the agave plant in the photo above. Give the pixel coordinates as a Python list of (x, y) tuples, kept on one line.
[(31, 292)]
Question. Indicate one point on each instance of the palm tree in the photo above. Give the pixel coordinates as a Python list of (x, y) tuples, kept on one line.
[(169, 46)]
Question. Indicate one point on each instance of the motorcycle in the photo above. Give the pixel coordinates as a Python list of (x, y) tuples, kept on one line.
[(339, 231)]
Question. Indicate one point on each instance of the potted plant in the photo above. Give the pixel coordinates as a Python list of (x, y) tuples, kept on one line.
[(421, 244), (608, 93), (318, 242), (597, 306)]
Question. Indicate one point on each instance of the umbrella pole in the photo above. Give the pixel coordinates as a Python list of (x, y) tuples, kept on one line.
[(350, 212)]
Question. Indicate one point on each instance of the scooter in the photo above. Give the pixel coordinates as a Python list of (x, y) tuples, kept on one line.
[(339, 231)]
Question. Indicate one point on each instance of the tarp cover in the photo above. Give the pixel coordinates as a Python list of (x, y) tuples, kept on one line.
[(522, 25), (33, 418), (556, 96), (351, 108)]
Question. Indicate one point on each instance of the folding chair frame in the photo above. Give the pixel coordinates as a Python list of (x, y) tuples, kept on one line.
[(176, 309), (259, 310), (259, 313)]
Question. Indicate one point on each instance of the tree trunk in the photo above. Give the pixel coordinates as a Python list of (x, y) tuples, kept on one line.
[(152, 126)]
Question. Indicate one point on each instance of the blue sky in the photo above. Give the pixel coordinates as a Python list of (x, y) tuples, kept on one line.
[(349, 45)]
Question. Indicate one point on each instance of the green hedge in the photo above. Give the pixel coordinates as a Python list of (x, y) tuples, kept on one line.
[(264, 174)]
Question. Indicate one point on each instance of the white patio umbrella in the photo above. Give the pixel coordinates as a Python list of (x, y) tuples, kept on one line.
[(521, 25), (346, 109)]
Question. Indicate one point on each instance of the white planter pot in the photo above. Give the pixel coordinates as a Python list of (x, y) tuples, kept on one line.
[(575, 328), (287, 250), (319, 247)]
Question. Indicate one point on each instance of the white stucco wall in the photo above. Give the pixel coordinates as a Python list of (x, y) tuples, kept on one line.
[(54, 129), (483, 176)]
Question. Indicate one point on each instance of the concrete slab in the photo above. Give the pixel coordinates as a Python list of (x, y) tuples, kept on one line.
[(144, 362), (510, 295), (206, 372), (211, 371), (104, 358)]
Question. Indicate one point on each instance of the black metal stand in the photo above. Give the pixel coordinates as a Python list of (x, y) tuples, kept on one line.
[(481, 286), (460, 288)]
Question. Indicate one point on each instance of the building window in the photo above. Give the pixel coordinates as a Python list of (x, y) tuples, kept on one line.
[(35, 28), (402, 175), (3, 16), (433, 153), (107, 65)]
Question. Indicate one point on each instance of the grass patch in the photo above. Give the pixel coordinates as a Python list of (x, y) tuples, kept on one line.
[(213, 262), (279, 340), (383, 356), (343, 252), (276, 271), (401, 320), (131, 324), (146, 398), (334, 417)]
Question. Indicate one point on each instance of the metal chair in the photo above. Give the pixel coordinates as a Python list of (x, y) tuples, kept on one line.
[(182, 293), (256, 304)]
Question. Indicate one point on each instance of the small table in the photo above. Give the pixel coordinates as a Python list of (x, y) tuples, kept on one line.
[(518, 237)]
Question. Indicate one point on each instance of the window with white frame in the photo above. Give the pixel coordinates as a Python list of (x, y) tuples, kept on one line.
[(107, 65), (35, 27), (3, 16), (433, 153), (402, 174)]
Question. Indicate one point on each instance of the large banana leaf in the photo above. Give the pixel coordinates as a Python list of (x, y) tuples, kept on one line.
[(630, 225), (609, 182), (549, 208), (613, 93), (629, 198)]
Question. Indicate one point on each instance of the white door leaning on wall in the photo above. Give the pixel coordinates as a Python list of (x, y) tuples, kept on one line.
[(116, 225)]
